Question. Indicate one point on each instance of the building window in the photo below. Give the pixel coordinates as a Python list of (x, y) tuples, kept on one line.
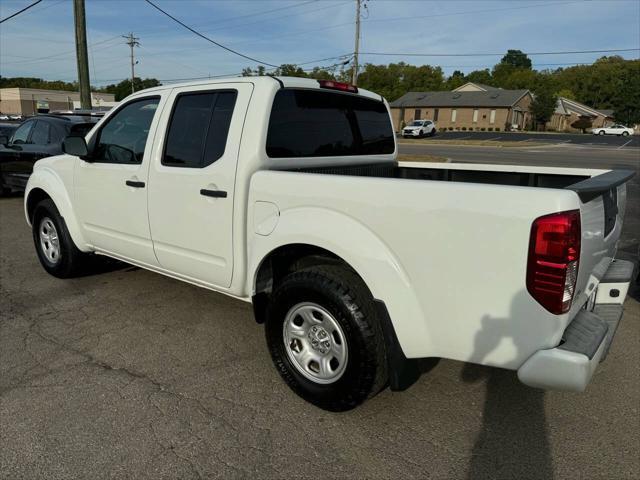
[(418, 114), (492, 117), (435, 114), (454, 114), (475, 115)]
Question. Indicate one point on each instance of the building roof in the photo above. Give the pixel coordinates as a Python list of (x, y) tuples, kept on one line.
[(470, 86), (493, 98), (607, 113), (565, 106)]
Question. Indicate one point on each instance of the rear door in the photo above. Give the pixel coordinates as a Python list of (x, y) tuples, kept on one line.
[(192, 181)]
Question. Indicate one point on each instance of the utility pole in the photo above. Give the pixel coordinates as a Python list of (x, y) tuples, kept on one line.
[(81, 54), (132, 42), (354, 75)]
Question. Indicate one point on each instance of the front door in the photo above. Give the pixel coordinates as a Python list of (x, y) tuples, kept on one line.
[(192, 182), (111, 185)]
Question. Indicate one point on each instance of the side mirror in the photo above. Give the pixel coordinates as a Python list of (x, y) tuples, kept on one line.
[(75, 146), (4, 141)]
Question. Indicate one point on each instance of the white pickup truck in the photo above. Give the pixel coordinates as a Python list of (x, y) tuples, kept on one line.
[(287, 193)]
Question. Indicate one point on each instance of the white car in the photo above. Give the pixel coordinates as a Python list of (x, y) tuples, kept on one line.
[(419, 128), (15, 117), (616, 129), (287, 193), (4, 117)]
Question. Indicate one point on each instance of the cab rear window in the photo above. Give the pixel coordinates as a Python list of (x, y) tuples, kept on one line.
[(312, 123)]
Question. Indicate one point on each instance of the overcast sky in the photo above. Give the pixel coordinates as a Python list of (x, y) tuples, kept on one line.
[(39, 42)]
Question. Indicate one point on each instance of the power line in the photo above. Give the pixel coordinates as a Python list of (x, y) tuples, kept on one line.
[(20, 11), (404, 54), (207, 38)]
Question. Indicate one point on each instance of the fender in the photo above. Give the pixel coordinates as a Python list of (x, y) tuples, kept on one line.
[(364, 251), (50, 181)]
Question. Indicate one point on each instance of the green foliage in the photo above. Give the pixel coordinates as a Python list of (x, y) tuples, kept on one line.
[(516, 59), (543, 105), (31, 82), (567, 93), (122, 89), (394, 80), (456, 80)]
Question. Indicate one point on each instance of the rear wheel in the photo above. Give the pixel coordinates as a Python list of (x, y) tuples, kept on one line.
[(601, 132), (56, 251), (325, 339)]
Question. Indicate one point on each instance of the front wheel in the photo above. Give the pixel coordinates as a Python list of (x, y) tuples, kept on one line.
[(325, 339), (56, 251), (624, 134), (601, 132)]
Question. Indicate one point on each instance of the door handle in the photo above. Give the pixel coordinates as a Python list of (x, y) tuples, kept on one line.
[(213, 193), (135, 184)]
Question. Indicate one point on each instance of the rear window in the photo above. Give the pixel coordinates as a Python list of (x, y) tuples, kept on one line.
[(311, 123)]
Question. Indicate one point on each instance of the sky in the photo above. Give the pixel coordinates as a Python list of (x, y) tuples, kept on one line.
[(40, 42)]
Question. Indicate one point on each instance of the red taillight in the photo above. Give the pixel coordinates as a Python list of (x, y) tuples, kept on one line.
[(345, 87), (554, 254)]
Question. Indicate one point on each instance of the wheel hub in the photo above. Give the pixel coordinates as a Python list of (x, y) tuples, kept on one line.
[(315, 343), (319, 338)]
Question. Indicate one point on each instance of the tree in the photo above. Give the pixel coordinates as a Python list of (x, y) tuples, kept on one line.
[(32, 82), (456, 80), (582, 123), (517, 59), (123, 89), (543, 105), (480, 76)]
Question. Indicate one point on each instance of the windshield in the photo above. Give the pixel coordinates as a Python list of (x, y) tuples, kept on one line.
[(417, 123), (314, 123)]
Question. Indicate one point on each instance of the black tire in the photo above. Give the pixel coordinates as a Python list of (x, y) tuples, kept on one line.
[(343, 294), (601, 132), (624, 134), (71, 262)]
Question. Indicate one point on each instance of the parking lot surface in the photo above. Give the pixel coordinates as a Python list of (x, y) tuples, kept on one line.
[(129, 374), (568, 138)]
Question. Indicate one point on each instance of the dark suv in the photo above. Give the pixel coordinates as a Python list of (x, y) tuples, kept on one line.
[(36, 138)]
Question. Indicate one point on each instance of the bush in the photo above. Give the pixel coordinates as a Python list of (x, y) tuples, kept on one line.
[(450, 129), (464, 129), (483, 129), (490, 129), (551, 129), (497, 129)]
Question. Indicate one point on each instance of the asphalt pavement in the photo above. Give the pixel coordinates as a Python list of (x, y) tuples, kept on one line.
[(540, 137), (130, 374)]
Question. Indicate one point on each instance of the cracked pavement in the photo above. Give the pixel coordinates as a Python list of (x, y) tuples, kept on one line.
[(129, 374)]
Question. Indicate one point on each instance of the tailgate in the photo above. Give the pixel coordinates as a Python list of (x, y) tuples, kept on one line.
[(602, 205)]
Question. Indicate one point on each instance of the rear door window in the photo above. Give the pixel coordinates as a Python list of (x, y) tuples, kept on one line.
[(312, 123), (198, 129)]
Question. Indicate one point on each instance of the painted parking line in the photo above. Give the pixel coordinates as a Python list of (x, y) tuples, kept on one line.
[(494, 138), (622, 146), (461, 138)]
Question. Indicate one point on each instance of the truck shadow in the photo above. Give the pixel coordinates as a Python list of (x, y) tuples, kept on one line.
[(513, 440)]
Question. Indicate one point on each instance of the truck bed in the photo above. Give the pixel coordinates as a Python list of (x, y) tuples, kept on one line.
[(454, 173)]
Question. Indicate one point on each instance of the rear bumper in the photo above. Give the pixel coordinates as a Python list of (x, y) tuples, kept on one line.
[(585, 342)]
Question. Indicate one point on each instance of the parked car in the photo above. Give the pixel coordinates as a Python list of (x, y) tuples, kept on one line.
[(4, 117), (35, 138), (15, 117), (7, 129), (616, 129), (419, 128), (287, 193)]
